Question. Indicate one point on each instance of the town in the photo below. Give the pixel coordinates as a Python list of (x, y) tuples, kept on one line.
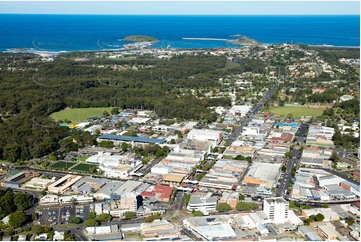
[(255, 143)]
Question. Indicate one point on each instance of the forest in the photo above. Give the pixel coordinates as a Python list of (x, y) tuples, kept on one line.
[(32, 90)]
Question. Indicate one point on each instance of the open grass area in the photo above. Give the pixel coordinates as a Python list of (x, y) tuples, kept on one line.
[(83, 167), (62, 165), (84, 158), (297, 112), (76, 115)]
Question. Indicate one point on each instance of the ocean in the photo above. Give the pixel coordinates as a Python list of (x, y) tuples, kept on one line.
[(99, 32)]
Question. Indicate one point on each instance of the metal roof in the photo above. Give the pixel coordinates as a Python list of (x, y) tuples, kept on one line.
[(131, 138)]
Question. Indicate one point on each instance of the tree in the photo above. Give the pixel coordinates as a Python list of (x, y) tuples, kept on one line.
[(106, 144), (197, 213), (105, 114), (289, 155), (241, 197), (187, 198), (125, 146), (23, 201), (68, 236), (91, 223), (74, 220), (92, 215), (350, 221), (319, 217), (37, 229), (104, 217), (153, 217), (223, 207), (284, 168), (130, 215), (242, 206), (16, 219), (114, 111)]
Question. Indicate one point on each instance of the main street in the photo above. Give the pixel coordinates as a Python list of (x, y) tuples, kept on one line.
[(254, 110)]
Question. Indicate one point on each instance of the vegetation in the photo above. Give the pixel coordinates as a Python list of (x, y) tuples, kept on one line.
[(16, 219), (29, 97), (74, 220), (312, 218), (91, 223), (223, 207), (153, 217), (140, 38), (296, 112), (106, 144), (197, 213), (242, 206), (104, 217), (10, 202), (77, 115), (130, 215)]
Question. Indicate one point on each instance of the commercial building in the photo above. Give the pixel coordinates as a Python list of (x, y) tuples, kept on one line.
[(159, 230), (63, 184), (211, 227), (117, 139), (265, 174), (276, 209), (39, 183), (103, 233), (160, 192), (308, 233), (202, 202), (205, 135)]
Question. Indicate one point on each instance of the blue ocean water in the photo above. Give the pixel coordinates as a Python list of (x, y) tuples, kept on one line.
[(95, 32)]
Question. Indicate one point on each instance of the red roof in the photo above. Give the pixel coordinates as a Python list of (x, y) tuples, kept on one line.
[(164, 191), (147, 194), (357, 204)]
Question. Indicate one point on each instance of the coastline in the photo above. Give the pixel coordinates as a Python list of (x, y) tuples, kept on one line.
[(56, 52)]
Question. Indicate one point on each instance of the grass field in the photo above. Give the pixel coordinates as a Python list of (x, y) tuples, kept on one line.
[(77, 115), (62, 165), (83, 167), (296, 111)]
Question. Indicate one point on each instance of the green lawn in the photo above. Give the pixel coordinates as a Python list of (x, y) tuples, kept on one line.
[(77, 115), (83, 167), (62, 165), (84, 158), (296, 111)]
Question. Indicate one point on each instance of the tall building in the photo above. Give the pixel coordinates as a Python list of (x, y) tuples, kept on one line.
[(276, 209)]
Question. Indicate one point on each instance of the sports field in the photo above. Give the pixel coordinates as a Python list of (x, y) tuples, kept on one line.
[(296, 111), (77, 115), (83, 167), (62, 165)]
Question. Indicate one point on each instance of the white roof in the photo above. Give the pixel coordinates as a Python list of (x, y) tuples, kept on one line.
[(217, 231)]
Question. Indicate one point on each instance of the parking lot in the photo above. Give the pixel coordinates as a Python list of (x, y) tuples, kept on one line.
[(60, 215)]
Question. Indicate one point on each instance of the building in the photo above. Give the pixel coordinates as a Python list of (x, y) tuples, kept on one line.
[(265, 174), (205, 135), (159, 230), (308, 233), (110, 232), (160, 192), (230, 198), (211, 227), (202, 202), (239, 110), (12, 181), (117, 139), (63, 184), (276, 209), (39, 183)]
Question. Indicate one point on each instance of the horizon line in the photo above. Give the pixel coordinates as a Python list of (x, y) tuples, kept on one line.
[(161, 14)]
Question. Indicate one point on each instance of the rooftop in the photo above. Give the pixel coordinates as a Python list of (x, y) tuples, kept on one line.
[(132, 139)]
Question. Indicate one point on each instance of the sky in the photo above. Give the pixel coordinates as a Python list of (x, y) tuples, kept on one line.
[(184, 8)]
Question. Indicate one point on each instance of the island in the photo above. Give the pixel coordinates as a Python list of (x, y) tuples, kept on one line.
[(244, 40), (140, 38)]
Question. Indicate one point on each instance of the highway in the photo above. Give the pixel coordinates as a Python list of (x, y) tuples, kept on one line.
[(254, 110)]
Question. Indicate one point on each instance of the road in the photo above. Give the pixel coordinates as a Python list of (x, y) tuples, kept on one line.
[(293, 162), (254, 110)]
